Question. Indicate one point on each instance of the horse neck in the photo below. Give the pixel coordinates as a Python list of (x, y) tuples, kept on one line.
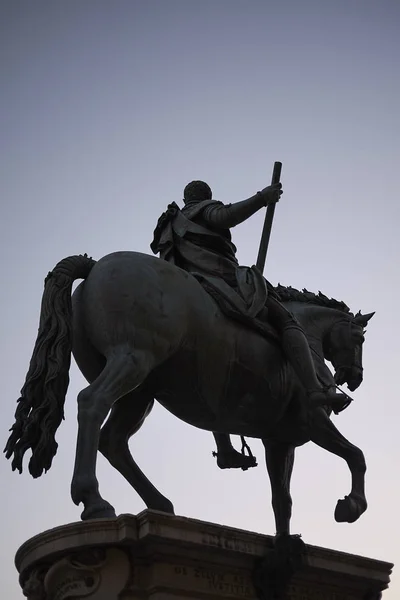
[(317, 321)]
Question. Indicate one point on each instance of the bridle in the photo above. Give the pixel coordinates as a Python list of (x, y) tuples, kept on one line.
[(349, 399)]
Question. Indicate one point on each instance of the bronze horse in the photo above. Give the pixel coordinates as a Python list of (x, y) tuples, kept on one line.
[(142, 329)]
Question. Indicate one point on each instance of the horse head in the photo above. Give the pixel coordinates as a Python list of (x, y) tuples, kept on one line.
[(343, 348)]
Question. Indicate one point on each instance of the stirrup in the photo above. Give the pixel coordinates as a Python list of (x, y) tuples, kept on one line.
[(251, 458), (235, 460)]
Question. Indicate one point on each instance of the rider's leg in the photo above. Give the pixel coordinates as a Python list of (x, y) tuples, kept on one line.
[(297, 350), (228, 457)]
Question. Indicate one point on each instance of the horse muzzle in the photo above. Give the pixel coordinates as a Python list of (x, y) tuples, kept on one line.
[(353, 376)]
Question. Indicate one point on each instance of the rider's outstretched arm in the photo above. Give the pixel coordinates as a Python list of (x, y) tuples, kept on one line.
[(225, 216)]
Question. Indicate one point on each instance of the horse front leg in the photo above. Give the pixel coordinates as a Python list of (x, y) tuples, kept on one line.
[(324, 433), (280, 459)]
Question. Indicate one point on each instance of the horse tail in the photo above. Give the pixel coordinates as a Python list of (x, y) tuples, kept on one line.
[(40, 408)]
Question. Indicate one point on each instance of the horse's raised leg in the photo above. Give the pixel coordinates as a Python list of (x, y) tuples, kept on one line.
[(126, 418), (324, 433), (280, 458), (124, 371)]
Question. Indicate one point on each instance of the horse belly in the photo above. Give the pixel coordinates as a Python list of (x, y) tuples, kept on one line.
[(232, 385), (254, 399), (190, 384)]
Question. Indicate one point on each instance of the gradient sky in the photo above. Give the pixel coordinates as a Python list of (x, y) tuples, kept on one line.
[(107, 110)]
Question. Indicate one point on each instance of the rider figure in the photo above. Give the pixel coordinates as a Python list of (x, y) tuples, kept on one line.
[(197, 239)]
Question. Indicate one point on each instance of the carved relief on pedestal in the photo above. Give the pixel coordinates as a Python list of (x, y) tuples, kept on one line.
[(33, 587), (100, 574)]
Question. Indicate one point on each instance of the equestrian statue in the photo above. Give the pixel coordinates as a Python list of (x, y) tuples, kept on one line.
[(212, 341)]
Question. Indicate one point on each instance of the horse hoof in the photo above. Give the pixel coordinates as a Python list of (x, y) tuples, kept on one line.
[(102, 510), (286, 543), (163, 505), (350, 509)]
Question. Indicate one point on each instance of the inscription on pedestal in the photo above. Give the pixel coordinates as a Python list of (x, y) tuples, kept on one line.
[(205, 579), (227, 543)]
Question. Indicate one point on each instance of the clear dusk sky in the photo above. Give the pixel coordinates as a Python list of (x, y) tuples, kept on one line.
[(108, 108)]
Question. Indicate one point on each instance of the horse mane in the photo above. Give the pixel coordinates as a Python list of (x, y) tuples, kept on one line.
[(288, 293)]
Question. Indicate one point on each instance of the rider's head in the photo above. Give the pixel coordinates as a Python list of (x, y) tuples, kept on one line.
[(197, 191)]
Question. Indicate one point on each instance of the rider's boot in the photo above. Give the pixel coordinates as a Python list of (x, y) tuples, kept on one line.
[(228, 457), (298, 352)]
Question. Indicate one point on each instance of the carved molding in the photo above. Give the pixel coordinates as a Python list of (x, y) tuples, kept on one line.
[(33, 588), (97, 573)]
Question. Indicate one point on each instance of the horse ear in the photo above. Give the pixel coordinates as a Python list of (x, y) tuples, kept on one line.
[(363, 319)]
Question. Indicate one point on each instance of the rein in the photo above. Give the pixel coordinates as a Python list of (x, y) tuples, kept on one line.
[(349, 400)]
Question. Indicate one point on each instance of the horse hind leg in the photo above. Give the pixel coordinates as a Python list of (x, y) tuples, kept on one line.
[(126, 418), (324, 433), (125, 370)]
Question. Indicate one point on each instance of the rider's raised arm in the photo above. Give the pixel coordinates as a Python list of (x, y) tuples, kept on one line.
[(225, 216)]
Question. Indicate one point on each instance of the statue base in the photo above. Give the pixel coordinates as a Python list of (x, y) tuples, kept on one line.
[(155, 556)]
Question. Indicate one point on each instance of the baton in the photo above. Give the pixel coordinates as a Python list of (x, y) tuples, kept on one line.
[(269, 217)]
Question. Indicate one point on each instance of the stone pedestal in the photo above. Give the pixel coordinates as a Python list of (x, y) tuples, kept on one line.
[(154, 556)]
